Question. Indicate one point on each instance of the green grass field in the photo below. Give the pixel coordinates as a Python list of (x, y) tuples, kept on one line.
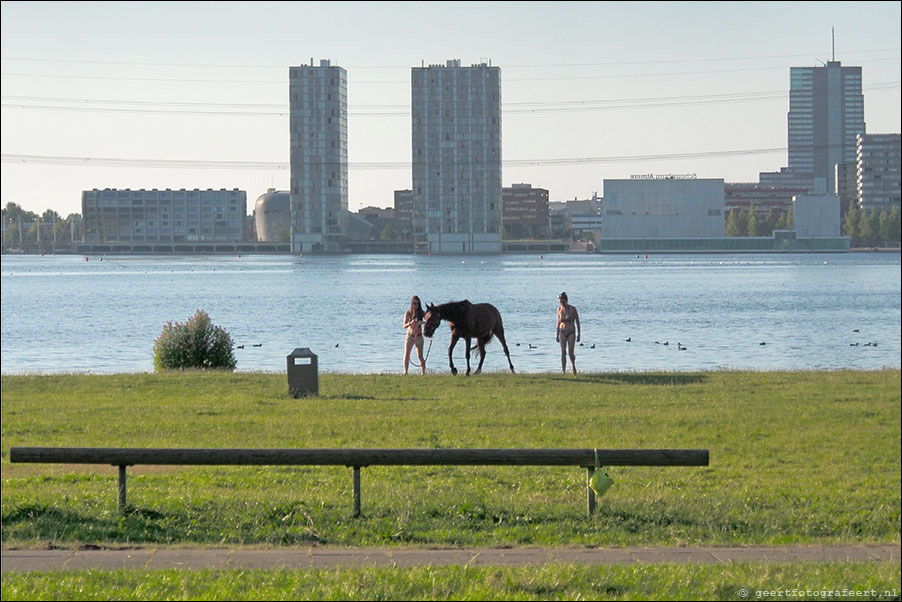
[(796, 457), (550, 582)]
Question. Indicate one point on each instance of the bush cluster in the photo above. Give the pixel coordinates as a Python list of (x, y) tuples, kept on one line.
[(197, 343)]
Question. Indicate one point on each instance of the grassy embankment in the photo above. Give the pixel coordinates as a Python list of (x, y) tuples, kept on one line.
[(801, 457), (551, 582)]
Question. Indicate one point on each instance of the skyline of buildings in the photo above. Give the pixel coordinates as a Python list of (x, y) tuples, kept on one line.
[(457, 202)]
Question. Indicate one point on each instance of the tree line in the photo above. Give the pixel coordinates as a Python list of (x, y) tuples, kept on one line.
[(873, 229), (745, 222), (866, 229), (15, 217)]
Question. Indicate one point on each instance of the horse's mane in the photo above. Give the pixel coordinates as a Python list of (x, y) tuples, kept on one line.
[(453, 311)]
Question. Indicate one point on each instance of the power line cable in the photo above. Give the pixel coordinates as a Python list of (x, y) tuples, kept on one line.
[(362, 166), (506, 80), (563, 107), (767, 94)]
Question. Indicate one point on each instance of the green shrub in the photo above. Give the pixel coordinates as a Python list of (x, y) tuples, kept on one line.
[(195, 344)]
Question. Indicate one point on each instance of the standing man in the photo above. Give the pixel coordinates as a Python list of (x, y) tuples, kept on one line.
[(568, 332)]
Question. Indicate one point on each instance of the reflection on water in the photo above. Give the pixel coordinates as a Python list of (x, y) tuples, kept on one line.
[(760, 312)]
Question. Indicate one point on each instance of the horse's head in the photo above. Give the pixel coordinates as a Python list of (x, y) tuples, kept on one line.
[(432, 319)]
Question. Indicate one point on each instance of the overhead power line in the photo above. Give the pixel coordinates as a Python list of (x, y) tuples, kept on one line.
[(404, 81), (88, 109), (878, 86), (362, 166), (195, 108)]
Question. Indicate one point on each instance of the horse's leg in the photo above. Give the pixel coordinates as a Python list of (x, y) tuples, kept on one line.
[(499, 332), (454, 339), (480, 344), (468, 356)]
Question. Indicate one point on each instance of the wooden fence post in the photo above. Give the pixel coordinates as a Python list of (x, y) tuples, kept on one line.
[(590, 495), (122, 498), (356, 491)]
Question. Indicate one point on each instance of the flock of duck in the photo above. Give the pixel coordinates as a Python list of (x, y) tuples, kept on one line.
[(680, 346)]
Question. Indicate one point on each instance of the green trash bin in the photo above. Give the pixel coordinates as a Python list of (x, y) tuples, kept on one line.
[(303, 373)]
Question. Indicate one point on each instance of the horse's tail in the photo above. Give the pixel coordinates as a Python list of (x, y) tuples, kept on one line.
[(487, 341)]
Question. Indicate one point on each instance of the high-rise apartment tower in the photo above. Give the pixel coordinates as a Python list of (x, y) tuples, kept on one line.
[(456, 154), (318, 99), (879, 172), (826, 113)]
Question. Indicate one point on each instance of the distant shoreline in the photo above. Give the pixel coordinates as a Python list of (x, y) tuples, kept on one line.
[(650, 252)]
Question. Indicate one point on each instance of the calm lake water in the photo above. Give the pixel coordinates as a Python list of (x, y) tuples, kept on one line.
[(812, 311)]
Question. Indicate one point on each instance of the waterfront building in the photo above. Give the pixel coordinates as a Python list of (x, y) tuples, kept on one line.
[(816, 216), (826, 114), (404, 213), (558, 219), (250, 228), (524, 211), (360, 229), (380, 219), (586, 225), (663, 207), (318, 126), (743, 196), (272, 216), (878, 171), (371, 213), (846, 185), (164, 216), (579, 218), (456, 154), (592, 205), (585, 219)]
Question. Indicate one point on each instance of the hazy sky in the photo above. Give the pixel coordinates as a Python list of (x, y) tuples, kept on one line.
[(157, 95)]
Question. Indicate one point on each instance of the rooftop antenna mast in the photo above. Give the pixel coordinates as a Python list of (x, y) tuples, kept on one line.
[(833, 35)]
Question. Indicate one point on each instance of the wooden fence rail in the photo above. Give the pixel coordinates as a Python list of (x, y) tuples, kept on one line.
[(359, 458)]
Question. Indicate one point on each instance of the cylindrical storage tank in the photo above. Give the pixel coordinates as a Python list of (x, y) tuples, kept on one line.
[(272, 215)]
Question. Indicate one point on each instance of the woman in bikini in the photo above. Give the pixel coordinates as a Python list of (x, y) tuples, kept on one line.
[(568, 332), (413, 322)]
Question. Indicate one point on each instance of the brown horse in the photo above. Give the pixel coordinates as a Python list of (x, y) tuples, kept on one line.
[(468, 321)]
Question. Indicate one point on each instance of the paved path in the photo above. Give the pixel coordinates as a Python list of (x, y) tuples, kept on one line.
[(322, 557)]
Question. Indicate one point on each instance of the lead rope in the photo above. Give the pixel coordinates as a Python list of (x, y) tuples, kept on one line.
[(426, 357)]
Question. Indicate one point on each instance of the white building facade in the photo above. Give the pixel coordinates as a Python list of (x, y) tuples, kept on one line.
[(456, 155), (663, 207), (318, 101), (816, 216)]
